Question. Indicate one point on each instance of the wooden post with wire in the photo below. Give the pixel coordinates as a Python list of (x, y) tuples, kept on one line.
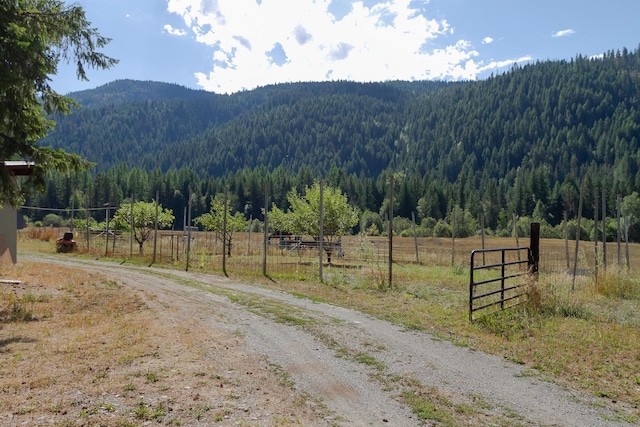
[(391, 231)]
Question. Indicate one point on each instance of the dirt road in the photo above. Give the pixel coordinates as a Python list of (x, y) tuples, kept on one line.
[(353, 369)]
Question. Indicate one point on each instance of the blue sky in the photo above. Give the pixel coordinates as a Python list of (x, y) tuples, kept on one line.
[(225, 46)]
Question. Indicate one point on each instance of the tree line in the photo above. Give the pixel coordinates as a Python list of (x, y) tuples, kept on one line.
[(438, 208)]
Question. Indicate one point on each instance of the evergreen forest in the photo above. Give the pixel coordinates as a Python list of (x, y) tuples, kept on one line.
[(524, 143)]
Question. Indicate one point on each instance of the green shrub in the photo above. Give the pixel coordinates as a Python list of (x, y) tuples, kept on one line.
[(442, 229), (54, 220)]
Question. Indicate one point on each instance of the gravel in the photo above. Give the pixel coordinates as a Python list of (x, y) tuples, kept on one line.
[(315, 356)]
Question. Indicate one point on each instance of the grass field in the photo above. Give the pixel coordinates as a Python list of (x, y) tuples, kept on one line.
[(584, 333)]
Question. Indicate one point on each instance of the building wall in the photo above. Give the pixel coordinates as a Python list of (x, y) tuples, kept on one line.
[(8, 235)]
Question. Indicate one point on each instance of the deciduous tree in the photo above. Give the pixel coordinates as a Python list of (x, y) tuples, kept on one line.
[(144, 219), (303, 216), (214, 220)]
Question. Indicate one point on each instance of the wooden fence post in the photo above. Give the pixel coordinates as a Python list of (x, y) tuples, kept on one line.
[(106, 246), (320, 230), (86, 203), (566, 238), (189, 230), (595, 232), (575, 260), (415, 236), (391, 231), (265, 243), (619, 232), (224, 233), (131, 234), (604, 228), (453, 237), (155, 230)]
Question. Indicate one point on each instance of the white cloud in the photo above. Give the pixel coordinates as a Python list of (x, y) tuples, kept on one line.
[(386, 41), (174, 31), (487, 40), (498, 65), (563, 33)]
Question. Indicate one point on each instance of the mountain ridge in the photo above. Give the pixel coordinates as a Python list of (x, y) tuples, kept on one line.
[(528, 135)]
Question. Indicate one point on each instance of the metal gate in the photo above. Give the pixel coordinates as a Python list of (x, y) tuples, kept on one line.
[(504, 279)]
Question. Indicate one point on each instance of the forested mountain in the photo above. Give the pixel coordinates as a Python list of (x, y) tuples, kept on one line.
[(126, 91), (149, 125), (514, 142)]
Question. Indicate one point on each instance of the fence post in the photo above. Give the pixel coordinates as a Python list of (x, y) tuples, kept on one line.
[(619, 232), (224, 233), (626, 241), (604, 228), (87, 217), (265, 242), (113, 241), (534, 246), (453, 237), (188, 230), (72, 226), (515, 231), (595, 232), (391, 231), (106, 246), (415, 236), (131, 234), (471, 283), (566, 238), (321, 230), (575, 255), (155, 230), (484, 259), (502, 271)]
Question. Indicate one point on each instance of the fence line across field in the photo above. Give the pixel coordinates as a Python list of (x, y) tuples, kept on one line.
[(258, 251), (359, 252)]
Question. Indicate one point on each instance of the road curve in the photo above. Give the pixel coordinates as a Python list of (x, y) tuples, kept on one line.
[(313, 354)]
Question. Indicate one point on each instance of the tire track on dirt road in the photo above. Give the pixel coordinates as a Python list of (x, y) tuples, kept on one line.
[(313, 355)]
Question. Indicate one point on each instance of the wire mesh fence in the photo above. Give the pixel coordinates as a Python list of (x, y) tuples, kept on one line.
[(365, 256), (355, 255)]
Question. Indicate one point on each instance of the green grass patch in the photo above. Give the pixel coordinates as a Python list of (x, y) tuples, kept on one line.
[(427, 408), (367, 359)]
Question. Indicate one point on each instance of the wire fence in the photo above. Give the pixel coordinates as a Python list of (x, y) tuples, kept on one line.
[(364, 256), (375, 256)]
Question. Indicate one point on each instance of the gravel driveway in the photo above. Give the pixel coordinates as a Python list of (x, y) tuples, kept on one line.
[(353, 365)]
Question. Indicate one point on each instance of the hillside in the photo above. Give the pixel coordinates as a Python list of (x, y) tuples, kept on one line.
[(127, 91), (150, 125), (559, 114)]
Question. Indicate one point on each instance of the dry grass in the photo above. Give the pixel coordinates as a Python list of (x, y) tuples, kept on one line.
[(46, 234), (587, 338), (556, 256), (78, 327), (78, 349), (580, 337)]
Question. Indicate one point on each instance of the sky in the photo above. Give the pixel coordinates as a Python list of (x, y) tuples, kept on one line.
[(226, 46)]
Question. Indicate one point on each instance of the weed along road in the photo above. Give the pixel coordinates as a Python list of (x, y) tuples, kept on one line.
[(346, 368)]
